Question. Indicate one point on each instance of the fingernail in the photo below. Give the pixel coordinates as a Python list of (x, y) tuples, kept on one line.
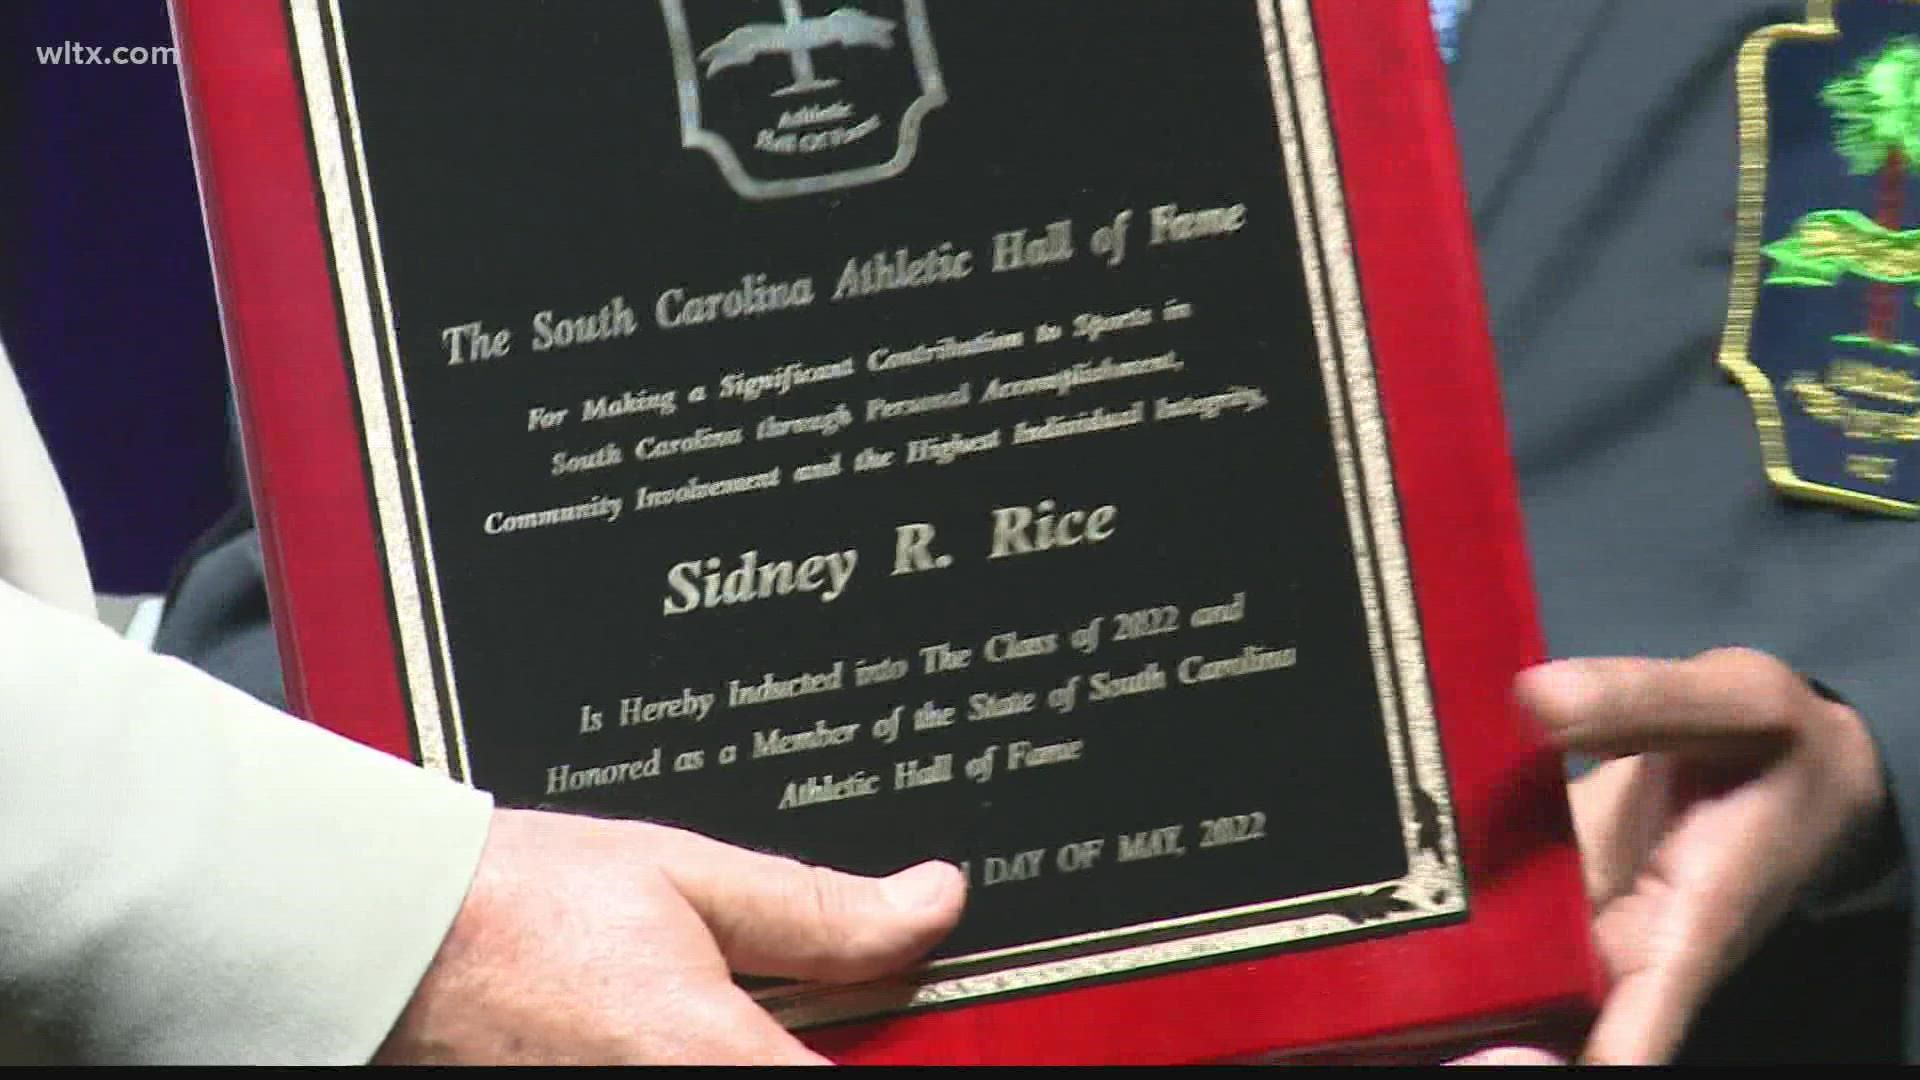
[(922, 886), (1510, 1055)]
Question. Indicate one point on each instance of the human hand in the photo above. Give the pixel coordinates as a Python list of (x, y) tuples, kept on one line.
[(592, 941), (1731, 785)]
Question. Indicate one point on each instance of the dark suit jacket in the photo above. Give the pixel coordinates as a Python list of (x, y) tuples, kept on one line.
[(1600, 145)]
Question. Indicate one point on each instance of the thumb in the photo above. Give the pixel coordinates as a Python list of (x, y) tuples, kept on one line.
[(773, 916)]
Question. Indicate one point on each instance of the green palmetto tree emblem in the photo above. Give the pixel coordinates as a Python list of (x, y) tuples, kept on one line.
[(1876, 110)]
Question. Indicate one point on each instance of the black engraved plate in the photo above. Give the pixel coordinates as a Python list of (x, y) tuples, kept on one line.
[(933, 442)]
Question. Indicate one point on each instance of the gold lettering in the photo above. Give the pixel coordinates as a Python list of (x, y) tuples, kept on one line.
[(1874, 470), (1872, 380)]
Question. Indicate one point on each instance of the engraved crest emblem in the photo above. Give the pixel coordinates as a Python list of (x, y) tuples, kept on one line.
[(1822, 331), (797, 97)]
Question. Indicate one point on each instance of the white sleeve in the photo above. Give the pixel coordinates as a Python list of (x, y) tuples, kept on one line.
[(187, 875)]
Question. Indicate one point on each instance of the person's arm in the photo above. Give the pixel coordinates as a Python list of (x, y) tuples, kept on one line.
[(187, 875), (1872, 870), (190, 876)]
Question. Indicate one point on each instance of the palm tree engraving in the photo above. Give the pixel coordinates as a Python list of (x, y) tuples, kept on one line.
[(804, 80), (1877, 130), (797, 39)]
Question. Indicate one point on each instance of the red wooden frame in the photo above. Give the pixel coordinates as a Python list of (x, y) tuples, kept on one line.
[(1523, 953)]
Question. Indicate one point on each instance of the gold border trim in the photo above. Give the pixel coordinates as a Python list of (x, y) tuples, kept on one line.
[(388, 443), (1743, 304), (1368, 474), (1367, 483)]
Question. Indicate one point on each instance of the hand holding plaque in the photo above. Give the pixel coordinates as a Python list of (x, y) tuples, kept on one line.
[(1731, 784), (650, 922)]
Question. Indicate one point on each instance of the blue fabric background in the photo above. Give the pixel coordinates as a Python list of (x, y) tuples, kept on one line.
[(107, 303)]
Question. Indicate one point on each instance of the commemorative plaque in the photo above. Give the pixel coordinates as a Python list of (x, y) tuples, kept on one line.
[(900, 429)]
